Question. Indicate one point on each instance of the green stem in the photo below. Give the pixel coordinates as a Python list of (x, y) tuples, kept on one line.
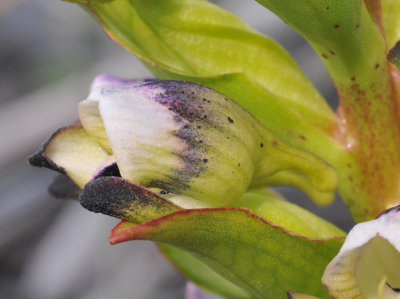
[(353, 49)]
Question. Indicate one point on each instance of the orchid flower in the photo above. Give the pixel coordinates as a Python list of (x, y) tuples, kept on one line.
[(150, 150), (183, 165), (368, 264), (180, 141)]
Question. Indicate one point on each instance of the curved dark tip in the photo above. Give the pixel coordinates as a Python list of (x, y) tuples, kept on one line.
[(39, 159), (397, 290), (107, 195), (120, 198)]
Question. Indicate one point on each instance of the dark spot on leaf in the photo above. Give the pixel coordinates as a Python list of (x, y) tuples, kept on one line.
[(239, 164), (205, 160), (327, 8), (336, 26), (357, 26), (325, 56), (353, 78), (332, 52), (303, 137), (261, 144), (230, 119), (377, 65)]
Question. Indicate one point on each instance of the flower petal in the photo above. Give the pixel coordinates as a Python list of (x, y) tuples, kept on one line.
[(71, 151), (369, 257), (172, 135), (194, 142)]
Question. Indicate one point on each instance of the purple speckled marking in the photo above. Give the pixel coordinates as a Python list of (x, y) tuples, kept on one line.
[(192, 111), (189, 110)]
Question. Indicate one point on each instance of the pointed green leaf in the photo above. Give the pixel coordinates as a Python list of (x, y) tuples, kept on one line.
[(253, 253), (197, 41), (270, 206)]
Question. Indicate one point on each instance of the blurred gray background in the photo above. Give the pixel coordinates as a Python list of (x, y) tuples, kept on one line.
[(53, 249)]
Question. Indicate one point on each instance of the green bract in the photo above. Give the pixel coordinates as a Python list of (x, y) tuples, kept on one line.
[(199, 42), (255, 254)]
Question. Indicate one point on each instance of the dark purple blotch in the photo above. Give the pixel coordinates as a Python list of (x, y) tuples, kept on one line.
[(118, 197)]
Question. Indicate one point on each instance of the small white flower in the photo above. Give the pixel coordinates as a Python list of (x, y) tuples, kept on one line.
[(368, 264)]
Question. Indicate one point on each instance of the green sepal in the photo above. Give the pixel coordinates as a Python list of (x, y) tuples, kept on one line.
[(253, 253), (199, 42)]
